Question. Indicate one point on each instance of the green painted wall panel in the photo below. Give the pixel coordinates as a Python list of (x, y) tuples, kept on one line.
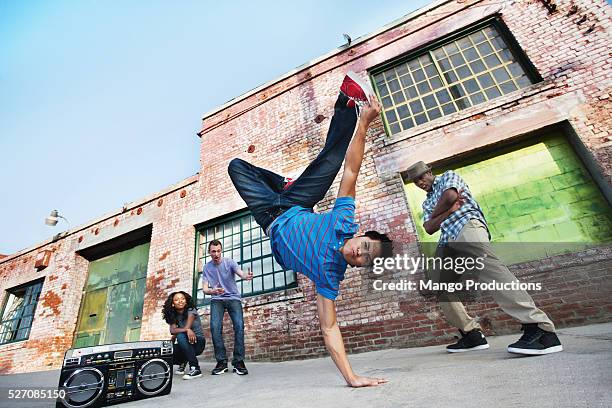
[(533, 194), (87, 339), (118, 268), (101, 272), (93, 312), (112, 306)]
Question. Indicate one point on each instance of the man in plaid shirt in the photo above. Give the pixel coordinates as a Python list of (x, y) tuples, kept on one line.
[(450, 208), (454, 223)]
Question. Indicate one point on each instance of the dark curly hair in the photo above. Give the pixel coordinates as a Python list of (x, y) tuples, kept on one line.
[(168, 312), (386, 243)]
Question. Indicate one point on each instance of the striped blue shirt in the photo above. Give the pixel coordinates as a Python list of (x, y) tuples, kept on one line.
[(309, 243), (451, 227)]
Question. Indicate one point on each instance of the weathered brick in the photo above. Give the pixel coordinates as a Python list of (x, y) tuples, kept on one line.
[(281, 125)]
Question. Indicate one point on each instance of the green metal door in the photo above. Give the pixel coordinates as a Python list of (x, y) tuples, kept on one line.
[(111, 310), (92, 318), (539, 200), (124, 311)]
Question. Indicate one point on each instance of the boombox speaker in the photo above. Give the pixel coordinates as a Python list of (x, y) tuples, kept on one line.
[(114, 373)]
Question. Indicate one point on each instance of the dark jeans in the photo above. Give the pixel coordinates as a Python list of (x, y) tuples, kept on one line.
[(217, 310), (262, 190), (187, 352)]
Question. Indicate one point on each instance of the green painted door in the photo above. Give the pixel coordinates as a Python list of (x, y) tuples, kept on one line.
[(92, 318), (538, 199), (111, 310), (125, 311)]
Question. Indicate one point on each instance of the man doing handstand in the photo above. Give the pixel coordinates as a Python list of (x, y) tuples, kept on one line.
[(320, 245)]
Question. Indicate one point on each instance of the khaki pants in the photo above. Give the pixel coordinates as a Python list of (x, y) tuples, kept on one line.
[(473, 241)]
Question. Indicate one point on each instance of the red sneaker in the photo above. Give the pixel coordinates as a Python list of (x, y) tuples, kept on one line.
[(288, 182), (357, 90)]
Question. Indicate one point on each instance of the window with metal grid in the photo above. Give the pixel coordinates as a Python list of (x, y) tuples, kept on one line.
[(18, 312), (244, 241), (461, 73)]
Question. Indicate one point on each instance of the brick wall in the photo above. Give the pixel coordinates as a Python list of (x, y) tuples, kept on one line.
[(53, 328), (279, 120)]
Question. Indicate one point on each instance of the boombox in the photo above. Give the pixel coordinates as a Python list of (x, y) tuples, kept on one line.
[(114, 373)]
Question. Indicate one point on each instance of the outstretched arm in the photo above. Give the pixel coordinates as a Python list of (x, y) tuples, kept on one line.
[(326, 309), (244, 275), (354, 154)]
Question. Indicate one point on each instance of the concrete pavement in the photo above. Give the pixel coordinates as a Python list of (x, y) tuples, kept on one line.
[(580, 376)]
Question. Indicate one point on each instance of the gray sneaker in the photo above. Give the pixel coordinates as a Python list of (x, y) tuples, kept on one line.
[(181, 369), (194, 372)]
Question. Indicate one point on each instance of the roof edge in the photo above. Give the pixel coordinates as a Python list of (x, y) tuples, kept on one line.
[(126, 207)]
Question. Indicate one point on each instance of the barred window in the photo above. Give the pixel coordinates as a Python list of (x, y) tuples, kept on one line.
[(244, 241), (464, 72), (18, 312)]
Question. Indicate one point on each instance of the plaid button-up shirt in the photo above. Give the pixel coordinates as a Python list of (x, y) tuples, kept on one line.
[(452, 226)]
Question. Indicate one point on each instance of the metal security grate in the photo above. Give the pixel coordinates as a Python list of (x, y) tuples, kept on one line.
[(462, 73), (244, 241)]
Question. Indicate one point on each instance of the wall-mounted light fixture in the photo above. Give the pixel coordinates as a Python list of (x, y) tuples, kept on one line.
[(52, 219)]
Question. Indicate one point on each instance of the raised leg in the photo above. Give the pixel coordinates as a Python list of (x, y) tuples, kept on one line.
[(259, 188), (317, 178)]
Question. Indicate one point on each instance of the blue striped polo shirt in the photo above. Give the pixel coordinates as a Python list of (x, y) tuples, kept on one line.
[(309, 243)]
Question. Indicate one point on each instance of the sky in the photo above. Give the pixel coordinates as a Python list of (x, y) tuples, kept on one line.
[(100, 101)]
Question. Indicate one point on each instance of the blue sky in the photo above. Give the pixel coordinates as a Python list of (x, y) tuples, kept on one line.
[(100, 101)]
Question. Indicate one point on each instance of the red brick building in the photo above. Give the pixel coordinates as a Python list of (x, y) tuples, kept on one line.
[(514, 95)]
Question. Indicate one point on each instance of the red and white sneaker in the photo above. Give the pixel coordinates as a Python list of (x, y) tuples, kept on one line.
[(357, 90), (288, 182)]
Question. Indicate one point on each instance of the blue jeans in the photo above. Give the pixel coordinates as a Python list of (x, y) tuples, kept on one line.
[(217, 310), (187, 352), (262, 190)]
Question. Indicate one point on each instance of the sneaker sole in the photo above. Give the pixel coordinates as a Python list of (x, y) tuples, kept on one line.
[(533, 352), (220, 372), (191, 377), (239, 373), (367, 88), (481, 347)]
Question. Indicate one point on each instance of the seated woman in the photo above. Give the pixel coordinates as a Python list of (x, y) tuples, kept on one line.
[(185, 325)]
